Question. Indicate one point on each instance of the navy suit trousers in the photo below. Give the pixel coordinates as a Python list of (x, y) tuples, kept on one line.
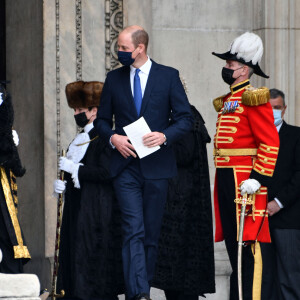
[(141, 203)]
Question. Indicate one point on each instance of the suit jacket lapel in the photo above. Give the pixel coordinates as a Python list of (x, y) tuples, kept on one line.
[(128, 92), (283, 130), (149, 86)]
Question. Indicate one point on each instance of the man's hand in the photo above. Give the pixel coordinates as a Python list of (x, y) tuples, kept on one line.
[(122, 144), (153, 139), (273, 208)]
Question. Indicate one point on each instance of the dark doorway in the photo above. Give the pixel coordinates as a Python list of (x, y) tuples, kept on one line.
[(2, 41)]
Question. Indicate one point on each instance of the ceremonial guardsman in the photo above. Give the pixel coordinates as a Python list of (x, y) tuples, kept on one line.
[(15, 252), (90, 265), (245, 152)]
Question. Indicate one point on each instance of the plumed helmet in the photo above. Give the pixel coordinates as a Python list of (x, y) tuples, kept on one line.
[(84, 94), (247, 49)]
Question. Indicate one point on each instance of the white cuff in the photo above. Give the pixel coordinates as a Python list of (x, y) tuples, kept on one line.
[(278, 202), (165, 142), (112, 145), (75, 176)]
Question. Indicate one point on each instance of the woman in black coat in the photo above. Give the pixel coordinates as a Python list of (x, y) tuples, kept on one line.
[(185, 264), (90, 261)]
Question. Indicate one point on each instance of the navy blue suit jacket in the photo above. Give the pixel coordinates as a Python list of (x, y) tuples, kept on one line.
[(164, 94)]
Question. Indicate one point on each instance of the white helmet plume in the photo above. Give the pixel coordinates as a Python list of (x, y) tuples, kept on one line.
[(249, 47)]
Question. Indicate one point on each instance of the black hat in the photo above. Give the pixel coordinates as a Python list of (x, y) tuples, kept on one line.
[(246, 49)]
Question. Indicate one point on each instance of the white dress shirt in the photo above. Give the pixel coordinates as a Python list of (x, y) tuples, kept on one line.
[(276, 199), (144, 74)]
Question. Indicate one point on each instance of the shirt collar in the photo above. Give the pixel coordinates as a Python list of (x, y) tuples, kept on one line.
[(239, 86), (145, 68), (279, 126), (87, 128)]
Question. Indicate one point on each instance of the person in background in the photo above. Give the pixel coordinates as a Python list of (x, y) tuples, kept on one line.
[(281, 264), (185, 266)]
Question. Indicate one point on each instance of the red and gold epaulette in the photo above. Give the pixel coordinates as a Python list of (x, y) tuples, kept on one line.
[(218, 103), (256, 96)]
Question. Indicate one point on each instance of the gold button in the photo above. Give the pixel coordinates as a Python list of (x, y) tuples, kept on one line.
[(230, 139), (268, 149), (227, 159), (263, 171), (265, 160)]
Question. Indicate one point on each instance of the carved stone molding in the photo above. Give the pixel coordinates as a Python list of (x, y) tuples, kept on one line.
[(58, 142), (113, 26), (78, 40)]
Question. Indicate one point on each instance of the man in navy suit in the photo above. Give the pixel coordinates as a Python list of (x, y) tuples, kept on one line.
[(142, 88)]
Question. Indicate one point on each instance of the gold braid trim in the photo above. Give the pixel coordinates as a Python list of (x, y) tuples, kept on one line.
[(14, 187), (20, 251), (88, 141), (257, 274), (255, 97), (218, 103)]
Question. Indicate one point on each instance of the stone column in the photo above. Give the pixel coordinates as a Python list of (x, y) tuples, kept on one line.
[(277, 22), (24, 61)]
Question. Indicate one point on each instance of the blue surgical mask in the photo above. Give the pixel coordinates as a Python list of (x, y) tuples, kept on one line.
[(277, 116), (125, 58)]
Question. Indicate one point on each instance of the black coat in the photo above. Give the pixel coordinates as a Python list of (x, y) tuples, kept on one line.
[(286, 179), (90, 251), (186, 254)]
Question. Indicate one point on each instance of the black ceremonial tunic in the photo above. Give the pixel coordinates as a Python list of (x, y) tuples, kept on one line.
[(12, 243), (185, 262), (90, 263)]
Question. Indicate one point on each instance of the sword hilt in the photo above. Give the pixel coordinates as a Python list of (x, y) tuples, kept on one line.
[(55, 296)]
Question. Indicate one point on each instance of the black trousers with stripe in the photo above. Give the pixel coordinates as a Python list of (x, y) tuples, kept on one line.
[(226, 196)]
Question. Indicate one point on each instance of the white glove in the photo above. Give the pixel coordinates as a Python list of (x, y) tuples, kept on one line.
[(15, 137), (66, 165), (59, 186), (69, 166), (250, 186)]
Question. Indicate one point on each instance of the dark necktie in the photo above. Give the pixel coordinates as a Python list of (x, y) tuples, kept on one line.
[(137, 91)]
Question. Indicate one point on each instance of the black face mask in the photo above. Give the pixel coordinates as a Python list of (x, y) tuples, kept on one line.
[(227, 75), (81, 119)]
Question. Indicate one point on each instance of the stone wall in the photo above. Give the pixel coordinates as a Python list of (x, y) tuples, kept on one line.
[(53, 42)]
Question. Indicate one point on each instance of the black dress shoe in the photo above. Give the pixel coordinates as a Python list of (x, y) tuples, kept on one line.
[(142, 297)]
